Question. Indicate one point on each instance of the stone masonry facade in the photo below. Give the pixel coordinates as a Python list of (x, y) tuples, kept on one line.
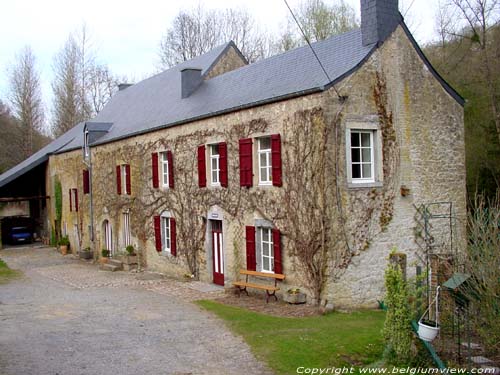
[(418, 142)]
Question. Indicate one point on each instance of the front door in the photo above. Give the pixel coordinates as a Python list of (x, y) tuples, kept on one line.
[(217, 251)]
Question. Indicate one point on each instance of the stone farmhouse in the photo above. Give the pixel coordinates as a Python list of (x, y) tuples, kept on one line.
[(217, 165)]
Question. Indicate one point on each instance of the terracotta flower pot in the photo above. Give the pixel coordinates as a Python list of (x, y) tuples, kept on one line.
[(64, 249)]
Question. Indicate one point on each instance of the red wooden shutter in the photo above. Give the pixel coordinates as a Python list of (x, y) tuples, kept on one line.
[(276, 159), (223, 163), (86, 181), (157, 226), (128, 187), (170, 162), (70, 201), (202, 172), (251, 260), (173, 237), (154, 167), (278, 265), (75, 191), (118, 180), (246, 173)]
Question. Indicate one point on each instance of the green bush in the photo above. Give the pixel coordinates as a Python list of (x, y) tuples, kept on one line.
[(105, 253), (64, 241), (397, 326), (130, 250)]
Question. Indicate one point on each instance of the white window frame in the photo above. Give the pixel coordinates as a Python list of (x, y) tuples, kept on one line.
[(270, 243), (166, 233), (123, 177), (164, 170), (126, 229), (371, 147), (214, 158), (86, 150), (269, 165)]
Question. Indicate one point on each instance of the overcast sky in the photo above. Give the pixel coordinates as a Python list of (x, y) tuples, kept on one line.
[(126, 33)]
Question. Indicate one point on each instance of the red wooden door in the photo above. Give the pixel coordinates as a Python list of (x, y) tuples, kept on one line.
[(217, 252)]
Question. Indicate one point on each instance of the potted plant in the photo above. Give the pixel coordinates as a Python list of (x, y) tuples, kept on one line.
[(295, 296), (105, 254), (129, 260), (428, 330), (64, 245), (86, 253)]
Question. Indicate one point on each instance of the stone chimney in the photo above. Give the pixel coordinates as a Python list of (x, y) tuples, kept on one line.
[(190, 80), (379, 18)]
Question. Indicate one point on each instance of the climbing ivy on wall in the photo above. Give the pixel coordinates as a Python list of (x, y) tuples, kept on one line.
[(58, 199)]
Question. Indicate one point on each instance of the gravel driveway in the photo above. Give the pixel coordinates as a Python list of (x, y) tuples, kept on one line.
[(66, 317)]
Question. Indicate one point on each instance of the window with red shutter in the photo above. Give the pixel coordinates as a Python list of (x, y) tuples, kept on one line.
[(173, 237), (223, 163), (70, 201), (250, 242), (170, 162), (128, 185), (157, 230), (86, 181), (276, 159), (118, 180), (246, 171), (202, 173), (154, 168), (75, 195), (278, 265)]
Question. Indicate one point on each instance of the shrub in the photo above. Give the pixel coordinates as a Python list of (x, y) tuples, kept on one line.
[(482, 261), (105, 253), (397, 326), (64, 241), (130, 250)]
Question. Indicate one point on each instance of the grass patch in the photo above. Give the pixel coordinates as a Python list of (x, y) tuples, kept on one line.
[(6, 274), (333, 340)]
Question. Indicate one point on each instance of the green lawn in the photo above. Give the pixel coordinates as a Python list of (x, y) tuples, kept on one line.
[(333, 340), (6, 274)]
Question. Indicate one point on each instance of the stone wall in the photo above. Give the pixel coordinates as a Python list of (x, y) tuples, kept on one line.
[(421, 146)]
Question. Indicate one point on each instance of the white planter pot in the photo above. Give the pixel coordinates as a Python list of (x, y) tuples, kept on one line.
[(427, 332)]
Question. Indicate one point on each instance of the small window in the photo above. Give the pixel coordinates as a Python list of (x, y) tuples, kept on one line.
[(86, 151), (164, 169), (267, 249), (362, 156), (214, 165), (123, 173), (166, 234), (264, 156)]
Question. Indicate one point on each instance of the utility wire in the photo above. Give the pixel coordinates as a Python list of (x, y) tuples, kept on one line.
[(312, 49)]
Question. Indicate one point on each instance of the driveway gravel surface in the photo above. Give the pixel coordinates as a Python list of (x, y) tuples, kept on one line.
[(65, 317)]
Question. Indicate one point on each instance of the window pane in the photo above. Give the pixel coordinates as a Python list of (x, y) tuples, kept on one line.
[(355, 155), (265, 235), (367, 170), (265, 264), (367, 155), (365, 139), (215, 149), (356, 171), (354, 139), (263, 160), (164, 156), (215, 176), (215, 163), (265, 248), (264, 143)]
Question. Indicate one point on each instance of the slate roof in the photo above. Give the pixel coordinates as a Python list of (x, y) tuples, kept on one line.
[(156, 102), (42, 155)]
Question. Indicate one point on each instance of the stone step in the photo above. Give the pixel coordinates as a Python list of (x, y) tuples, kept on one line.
[(110, 267), (115, 262), (129, 267)]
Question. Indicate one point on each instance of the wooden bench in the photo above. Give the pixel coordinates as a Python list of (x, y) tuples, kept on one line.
[(270, 289)]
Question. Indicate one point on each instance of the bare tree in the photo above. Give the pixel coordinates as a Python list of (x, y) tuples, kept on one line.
[(476, 18), (319, 20), (81, 85), (26, 97), (197, 31)]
